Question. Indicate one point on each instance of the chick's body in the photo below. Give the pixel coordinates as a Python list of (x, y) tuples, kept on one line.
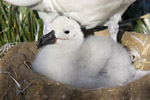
[(104, 62), (94, 62)]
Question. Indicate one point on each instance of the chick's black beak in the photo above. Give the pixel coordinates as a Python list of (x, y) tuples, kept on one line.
[(47, 39)]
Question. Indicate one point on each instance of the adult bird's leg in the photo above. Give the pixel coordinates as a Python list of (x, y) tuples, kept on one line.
[(113, 26), (47, 28)]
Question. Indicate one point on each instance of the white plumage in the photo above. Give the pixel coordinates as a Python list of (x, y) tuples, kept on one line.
[(89, 13), (95, 62)]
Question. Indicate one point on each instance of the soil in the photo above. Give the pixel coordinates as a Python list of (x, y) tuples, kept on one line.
[(19, 82)]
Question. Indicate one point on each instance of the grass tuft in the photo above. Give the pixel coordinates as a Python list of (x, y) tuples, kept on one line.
[(18, 24)]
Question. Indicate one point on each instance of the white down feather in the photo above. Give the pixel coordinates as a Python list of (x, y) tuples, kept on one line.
[(95, 62)]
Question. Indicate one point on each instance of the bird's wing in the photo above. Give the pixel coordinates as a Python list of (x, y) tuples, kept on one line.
[(90, 13), (23, 2)]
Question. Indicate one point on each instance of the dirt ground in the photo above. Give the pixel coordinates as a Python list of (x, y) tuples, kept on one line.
[(19, 82)]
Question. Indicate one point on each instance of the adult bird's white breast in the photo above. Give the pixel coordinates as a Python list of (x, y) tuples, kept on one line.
[(89, 13)]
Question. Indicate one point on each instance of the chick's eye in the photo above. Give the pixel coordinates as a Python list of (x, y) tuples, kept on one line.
[(66, 31)]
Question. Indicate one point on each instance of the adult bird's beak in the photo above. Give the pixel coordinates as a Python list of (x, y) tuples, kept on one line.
[(47, 39)]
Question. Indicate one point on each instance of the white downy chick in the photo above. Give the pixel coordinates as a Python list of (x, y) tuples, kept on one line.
[(89, 13), (95, 62)]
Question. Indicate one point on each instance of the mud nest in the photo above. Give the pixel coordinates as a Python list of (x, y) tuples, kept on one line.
[(19, 82)]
